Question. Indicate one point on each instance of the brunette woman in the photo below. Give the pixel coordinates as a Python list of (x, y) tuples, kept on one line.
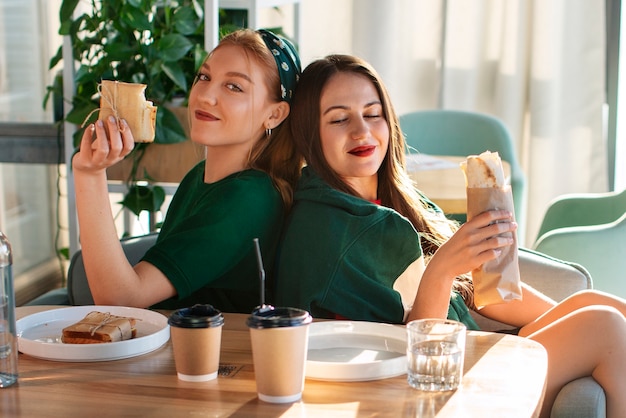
[(362, 243)]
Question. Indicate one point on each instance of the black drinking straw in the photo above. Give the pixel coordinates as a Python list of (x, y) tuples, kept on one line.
[(261, 271)]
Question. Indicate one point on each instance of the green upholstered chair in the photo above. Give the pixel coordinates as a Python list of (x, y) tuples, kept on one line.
[(589, 229), (77, 285), (77, 291), (583, 397), (462, 133), (583, 209)]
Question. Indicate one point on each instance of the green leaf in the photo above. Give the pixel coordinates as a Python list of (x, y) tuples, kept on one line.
[(199, 9), (56, 59), (168, 128), (67, 9), (136, 3), (65, 28), (78, 114), (173, 47), (175, 73), (199, 55), (158, 197), (140, 198), (84, 75), (64, 253), (135, 18), (56, 92), (77, 137), (186, 21), (119, 51), (49, 91)]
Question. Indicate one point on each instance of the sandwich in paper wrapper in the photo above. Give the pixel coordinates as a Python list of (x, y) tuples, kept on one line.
[(498, 280), (127, 101)]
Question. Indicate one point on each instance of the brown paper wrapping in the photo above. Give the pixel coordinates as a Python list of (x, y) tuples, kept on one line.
[(127, 101), (498, 280)]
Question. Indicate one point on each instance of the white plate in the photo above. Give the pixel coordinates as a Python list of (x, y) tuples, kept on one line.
[(349, 351), (39, 334)]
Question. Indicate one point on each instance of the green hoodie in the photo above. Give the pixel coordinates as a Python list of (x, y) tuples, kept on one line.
[(340, 256)]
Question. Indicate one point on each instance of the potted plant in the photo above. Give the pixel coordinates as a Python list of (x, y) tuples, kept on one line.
[(159, 43), (155, 42)]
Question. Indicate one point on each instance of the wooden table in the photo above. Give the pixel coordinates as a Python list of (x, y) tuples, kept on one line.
[(504, 377), (441, 179)]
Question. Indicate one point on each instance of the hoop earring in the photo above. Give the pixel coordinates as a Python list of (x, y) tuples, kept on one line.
[(268, 132)]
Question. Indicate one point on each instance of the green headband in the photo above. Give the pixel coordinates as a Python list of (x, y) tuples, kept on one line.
[(287, 60)]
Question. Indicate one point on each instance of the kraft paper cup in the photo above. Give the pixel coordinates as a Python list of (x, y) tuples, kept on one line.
[(279, 339), (196, 334)]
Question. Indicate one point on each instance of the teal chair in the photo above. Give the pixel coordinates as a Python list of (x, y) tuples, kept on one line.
[(77, 291), (589, 229), (558, 279), (583, 209), (461, 133)]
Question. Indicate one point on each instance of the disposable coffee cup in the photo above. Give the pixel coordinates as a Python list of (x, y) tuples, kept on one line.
[(196, 334), (280, 339)]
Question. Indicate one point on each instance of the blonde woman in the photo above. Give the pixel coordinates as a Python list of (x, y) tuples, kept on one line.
[(238, 106)]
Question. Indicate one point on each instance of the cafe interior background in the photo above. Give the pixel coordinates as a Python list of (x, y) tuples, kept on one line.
[(549, 69)]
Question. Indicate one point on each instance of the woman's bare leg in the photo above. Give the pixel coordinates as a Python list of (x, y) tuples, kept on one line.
[(572, 303), (590, 341)]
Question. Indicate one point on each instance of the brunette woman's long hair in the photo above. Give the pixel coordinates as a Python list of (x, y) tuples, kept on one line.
[(274, 154), (395, 188)]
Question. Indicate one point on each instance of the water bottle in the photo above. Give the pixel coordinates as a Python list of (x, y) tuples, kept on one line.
[(8, 334)]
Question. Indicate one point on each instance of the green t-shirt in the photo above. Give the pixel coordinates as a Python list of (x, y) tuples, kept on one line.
[(341, 255), (206, 247)]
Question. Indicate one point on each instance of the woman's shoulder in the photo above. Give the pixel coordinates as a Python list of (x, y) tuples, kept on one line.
[(246, 180), (428, 203), (252, 182), (242, 188), (249, 189), (315, 194), (194, 175)]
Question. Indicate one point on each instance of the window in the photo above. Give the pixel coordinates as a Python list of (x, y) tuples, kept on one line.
[(28, 205), (620, 136)]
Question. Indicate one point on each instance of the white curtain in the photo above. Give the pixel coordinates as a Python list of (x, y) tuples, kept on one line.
[(539, 65)]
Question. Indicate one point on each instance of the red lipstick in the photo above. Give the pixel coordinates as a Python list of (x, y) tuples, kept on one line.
[(364, 151), (205, 116)]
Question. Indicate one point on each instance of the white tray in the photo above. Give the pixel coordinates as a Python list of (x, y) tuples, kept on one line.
[(355, 351), (39, 334)]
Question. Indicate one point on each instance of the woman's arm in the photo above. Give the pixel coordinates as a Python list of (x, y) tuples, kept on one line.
[(476, 242), (112, 279), (520, 312)]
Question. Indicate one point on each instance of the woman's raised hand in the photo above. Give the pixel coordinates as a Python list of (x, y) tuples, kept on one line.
[(111, 144), (476, 242)]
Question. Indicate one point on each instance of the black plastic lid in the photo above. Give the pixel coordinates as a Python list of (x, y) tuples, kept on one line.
[(197, 316), (270, 317)]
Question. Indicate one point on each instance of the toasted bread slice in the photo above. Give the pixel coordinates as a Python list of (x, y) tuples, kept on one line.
[(100, 327)]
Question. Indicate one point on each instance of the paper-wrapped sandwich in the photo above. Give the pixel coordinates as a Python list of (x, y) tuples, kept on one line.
[(127, 101), (498, 280), (99, 327)]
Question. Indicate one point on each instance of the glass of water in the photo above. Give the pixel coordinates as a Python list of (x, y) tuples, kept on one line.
[(435, 354)]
